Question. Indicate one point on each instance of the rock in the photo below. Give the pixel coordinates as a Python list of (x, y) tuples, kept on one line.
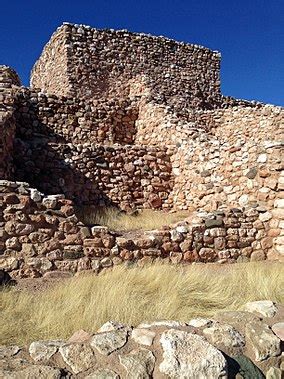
[(244, 368), (237, 319), (274, 373), (265, 307), (264, 342), (187, 355), (278, 329), (225, 338), (35, 195), (139, 364), (42, 351), (32, 372), (199, 322), (8, 351), (80, 357), (80, 336), (143, 336), (103, 374), (108, 342), (113, 325), (168, 323)]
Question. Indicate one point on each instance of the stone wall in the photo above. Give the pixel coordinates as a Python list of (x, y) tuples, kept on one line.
[(8, 80), (107, 63), (125, 176), (71, 120), (230, 344), (43, 234)]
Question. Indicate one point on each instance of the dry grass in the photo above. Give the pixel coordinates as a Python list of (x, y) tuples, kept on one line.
[(146, 219), (133, 295)]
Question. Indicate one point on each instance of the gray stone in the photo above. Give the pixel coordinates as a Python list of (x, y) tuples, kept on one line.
[(265, 307), (187, 355), (225, 338), (8, 351), (264, 342), (32, 372), (168, 323), (80, 357), (108, 342), (139, 364), (42, 351)]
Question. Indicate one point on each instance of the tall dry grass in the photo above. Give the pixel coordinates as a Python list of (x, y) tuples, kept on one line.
[(135, 295), (113, 218)]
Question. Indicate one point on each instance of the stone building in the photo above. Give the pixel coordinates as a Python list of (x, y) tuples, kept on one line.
[(134, 121)]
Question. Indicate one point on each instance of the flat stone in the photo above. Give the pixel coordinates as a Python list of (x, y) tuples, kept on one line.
[(108, 342), (143, 336), (264, 342), (113, 325), (80, 357), (278, 329), (139, 364), (265, 307), (42, 351), (187, 355), (103, 374)]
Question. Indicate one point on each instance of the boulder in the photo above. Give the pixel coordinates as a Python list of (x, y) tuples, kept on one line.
[(80, 357), (139, 364), (265, 307), (187, 355), (108, 342)]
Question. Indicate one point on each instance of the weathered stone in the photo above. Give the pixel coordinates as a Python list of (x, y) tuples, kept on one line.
[(42, 351), (143, 336), (139, 364), (107, 342), (264, 307), (80, 357), (225, 338), (264, 342), (186, 355)]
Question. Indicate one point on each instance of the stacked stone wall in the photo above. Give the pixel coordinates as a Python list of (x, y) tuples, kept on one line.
[(70, 120), (125, 176), (44, 234), (114, 64)]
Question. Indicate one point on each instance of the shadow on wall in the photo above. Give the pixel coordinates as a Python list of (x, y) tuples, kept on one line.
[(44, 160)]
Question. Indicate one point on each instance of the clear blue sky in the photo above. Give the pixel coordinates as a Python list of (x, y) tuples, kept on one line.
[(248, 33)]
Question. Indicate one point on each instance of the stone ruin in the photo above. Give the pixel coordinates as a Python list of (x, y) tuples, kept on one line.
[(134, 121)]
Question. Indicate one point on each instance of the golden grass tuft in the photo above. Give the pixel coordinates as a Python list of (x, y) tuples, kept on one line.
[(134, 295), (113, 218)]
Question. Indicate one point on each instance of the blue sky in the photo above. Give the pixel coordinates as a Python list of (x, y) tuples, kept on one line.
[(248, 33)]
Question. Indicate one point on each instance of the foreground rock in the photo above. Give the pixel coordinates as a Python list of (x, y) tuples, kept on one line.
[(237, 344)]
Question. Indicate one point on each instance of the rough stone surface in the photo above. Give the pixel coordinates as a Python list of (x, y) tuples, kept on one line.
[(264, 342), (80, 357), (139, 364), (107, 342), (186, 355), (265, 307)]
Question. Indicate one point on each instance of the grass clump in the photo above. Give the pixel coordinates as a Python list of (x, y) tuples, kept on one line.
[(144, 219), (133, 295)]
